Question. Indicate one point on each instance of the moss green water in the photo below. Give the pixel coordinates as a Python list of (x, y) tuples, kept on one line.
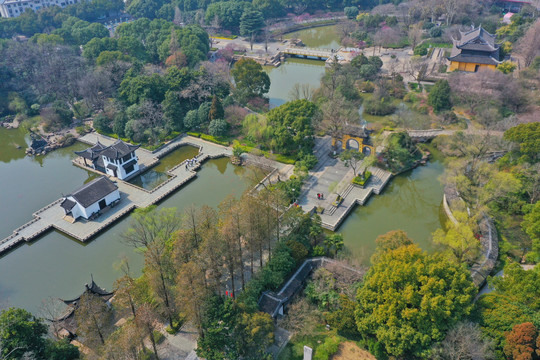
[(56, 265), (301, 71), (410, 202), (155, 176), (324, 37)]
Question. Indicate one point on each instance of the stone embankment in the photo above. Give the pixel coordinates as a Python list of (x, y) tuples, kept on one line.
[(489, 238)]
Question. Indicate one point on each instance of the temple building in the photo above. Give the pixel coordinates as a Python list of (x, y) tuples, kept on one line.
[(91, 198), (475, 50), (118, 160), (66, 324)]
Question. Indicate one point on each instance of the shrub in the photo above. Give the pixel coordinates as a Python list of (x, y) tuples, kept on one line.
[(428, 25), (420, 50), (327, 349), (318, 251), (158, 337), (435, 32), (351, 12), (366, 86), (439, 96), (218, 127), (102, 124), (380, 107), (284, 159), (362, 181)]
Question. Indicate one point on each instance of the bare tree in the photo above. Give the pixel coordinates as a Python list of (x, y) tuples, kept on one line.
[(94, 320), (346, 28), (301, 91), (52, 309), (178, 16), (385, 37), (529, 45), (463, 342), (147, 322), (415, 35), (337, 112), (152, 230), (96, 87), (416, 67)]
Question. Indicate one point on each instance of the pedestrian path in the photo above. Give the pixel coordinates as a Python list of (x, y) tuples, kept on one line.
[(331, 178)]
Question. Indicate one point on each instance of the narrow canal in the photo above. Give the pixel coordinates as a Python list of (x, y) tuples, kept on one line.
[(56, 265)]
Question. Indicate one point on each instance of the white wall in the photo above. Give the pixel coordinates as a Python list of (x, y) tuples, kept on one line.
[(78, 210), (120, 172)]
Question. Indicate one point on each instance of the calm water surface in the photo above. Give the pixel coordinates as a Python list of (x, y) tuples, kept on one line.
[(155, 176), (56, 265), (410, 202), (301, 71)]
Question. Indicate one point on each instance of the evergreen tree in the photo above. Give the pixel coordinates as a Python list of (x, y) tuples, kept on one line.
[(439, 96), (216, 110)]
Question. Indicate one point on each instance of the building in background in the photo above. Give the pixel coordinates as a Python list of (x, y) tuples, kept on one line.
[(14, 8), (475, 50)]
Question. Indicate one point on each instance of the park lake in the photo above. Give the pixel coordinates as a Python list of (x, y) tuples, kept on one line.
[(55, 265)]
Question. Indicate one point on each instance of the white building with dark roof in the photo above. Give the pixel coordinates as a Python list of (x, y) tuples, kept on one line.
[(118, 160), (14, 8), (91, 198)]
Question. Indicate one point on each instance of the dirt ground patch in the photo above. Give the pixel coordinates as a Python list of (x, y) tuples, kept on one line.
[(350, 351)]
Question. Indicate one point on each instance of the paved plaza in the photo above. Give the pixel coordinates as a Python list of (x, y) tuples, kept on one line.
[(331, 178)]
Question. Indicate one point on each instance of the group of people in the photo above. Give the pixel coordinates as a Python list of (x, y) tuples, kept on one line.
[(320, 196), (191, 162)]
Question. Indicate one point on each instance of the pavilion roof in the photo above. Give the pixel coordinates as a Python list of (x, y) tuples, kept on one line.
[(94, 191)]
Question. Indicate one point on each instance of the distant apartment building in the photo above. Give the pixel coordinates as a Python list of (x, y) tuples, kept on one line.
[(14, 8)]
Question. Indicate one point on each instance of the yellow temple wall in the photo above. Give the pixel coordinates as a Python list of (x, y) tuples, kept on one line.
[(470, 67)]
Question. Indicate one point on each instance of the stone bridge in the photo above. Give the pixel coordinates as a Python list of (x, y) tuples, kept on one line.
[(321, 54)]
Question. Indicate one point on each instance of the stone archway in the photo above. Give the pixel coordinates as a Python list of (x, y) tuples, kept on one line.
[(353, 144), (338, 145), (366, 150)]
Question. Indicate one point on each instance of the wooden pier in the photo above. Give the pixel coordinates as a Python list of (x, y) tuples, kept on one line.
[(131, 196)]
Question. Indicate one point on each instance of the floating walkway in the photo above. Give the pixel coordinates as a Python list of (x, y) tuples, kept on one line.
[(131, 196)]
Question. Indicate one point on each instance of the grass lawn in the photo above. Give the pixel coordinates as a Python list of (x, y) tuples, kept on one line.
[(350, 351)]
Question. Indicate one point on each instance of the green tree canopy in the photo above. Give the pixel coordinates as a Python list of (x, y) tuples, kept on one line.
[(292, 126), (21, 334), (409, 299), (459, 238), (250, 80), (251, 22), (439, 96), (527, 136)]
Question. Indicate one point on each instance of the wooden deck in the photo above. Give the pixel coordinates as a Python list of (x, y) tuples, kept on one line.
[(131, 196)]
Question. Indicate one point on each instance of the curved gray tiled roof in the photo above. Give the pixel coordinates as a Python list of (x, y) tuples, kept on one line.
[(476, 46), (116, 151), (94, 191)]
